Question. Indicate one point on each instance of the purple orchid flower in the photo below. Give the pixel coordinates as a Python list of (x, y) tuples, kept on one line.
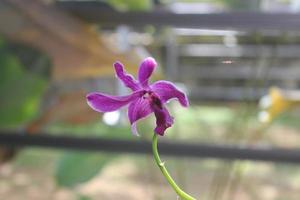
[(144, 99)]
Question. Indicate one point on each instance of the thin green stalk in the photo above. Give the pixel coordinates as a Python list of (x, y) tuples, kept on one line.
[(163, 169)]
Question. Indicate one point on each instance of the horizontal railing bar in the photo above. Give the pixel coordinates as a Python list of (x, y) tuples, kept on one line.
[(95, 12), (244, 50), (227, 93), (240, 72), (255, 153)]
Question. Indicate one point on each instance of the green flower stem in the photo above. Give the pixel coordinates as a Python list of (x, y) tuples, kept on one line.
[(163, 169)]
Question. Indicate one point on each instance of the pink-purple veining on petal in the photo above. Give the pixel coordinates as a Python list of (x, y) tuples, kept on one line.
[(167, 90), (163, 120), (106, 103), (137, 110), (127, 79), (145, 71)]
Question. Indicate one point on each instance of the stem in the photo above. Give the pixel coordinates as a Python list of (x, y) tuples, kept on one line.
[(166, 174)]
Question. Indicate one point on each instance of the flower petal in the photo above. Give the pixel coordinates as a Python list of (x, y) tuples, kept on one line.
[(106, 103), (167, 90), (163, 120), (145, 71), (127, 79), (138, 109)]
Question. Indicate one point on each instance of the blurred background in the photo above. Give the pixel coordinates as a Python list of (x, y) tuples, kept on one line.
[(237, 60)]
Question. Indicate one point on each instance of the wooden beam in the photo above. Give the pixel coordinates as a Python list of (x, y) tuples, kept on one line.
[(76, 49)]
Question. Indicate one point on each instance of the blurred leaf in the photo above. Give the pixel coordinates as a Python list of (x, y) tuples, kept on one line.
[(20, 89), (78, 167)]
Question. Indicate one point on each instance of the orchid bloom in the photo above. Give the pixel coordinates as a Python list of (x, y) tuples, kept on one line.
[(144, 99)]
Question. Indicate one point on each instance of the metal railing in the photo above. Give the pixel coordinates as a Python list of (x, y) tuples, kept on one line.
[(193, 150)]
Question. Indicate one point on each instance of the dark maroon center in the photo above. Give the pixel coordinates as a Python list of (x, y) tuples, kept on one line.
[(153, 99)]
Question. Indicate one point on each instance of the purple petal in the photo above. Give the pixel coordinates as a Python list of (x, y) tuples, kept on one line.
[(107, 103), (167, 90), (163, 120), (127, 79), (138, 109), (145, 71)]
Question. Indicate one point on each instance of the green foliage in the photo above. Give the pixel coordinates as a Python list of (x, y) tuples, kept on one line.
[(92, 129), (289, 119), (77, 167), (131, 5), (83, 197), (241, 4), (74, 168), (20, 89)]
